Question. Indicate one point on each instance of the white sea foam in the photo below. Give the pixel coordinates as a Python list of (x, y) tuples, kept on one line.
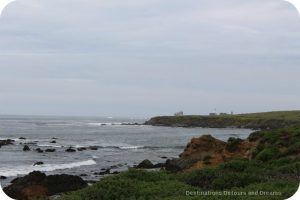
[(49, 145), (131, 147), (105, 124), (22, 170)]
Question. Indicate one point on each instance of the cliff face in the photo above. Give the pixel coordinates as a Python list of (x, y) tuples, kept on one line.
[(270, 120), (207, 151)]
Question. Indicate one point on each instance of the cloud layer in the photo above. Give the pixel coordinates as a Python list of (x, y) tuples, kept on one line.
[(143, 58)]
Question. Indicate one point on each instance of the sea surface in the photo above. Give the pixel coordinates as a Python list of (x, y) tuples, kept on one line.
[(119, 146)]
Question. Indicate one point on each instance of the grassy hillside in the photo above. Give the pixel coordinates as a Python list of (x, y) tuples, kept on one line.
[(274, 170), (266, 120)]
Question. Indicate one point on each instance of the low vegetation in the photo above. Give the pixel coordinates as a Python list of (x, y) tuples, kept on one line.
[(273, 172), (267, 120)]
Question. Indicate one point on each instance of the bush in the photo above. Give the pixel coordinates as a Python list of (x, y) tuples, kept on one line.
[(267, 154), (233, 144)]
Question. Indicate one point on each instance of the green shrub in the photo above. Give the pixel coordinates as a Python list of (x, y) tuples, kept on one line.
[(233, 144), (268, 154)]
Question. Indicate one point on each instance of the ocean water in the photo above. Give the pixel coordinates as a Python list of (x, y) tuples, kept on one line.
[(120, 146)]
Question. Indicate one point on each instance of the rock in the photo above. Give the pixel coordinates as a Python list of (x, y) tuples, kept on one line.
[(159, 165), (38, 163), (164, 157), (70, 150), (3, 177), (22, 138), (54, 138), (50, 150), (83, 174), (115, 172), (107, 171), (6, 142), (145, 164), (39, 150), (81, 149), (94, 148), (53, 142), (207, 150), (37, 184), (26, 148)]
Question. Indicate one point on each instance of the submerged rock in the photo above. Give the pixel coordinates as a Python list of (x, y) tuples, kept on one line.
[(3, 177), (37, 184), (53, 142)]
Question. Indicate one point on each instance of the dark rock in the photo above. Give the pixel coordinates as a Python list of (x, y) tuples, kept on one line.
[(37, 184), (6, 142), (70, 150), (3, 177), (53, 142), (54, 138), (94, 148), (81, 149), (22, 138), (26, 148), (159, 165), (164, 157), (38, 163), (178, 164), (83, 174), (50, 150), (39, 150), (115, 172), (107, 171), (145, 164)]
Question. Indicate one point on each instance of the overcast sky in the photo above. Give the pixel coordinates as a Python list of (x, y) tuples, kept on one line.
[(148, 57)]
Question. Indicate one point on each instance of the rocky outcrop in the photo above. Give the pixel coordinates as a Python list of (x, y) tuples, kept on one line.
[(37, 184), (6, 142), (26, 148), (70, 150), (147, 164), (209, 151)]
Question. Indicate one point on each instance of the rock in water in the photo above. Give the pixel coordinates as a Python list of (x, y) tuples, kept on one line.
[(70, 150), (26, 148), (50, 150), (37, 184), (38, 163), (145, 164)]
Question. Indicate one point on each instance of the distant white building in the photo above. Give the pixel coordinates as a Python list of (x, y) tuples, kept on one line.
[(179, 113)]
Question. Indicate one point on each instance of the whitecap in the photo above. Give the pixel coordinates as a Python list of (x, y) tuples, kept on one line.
[(22, 170)]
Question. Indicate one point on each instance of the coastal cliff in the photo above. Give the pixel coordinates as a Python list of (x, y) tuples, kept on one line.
[(267, 120)]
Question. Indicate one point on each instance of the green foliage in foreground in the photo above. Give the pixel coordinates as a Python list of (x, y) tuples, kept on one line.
[(274, 173), (239, 176)]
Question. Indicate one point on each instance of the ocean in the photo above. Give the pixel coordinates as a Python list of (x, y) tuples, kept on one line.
[(119, 146)]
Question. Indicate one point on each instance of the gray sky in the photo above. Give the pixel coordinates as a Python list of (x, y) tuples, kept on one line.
[(148, 57)]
